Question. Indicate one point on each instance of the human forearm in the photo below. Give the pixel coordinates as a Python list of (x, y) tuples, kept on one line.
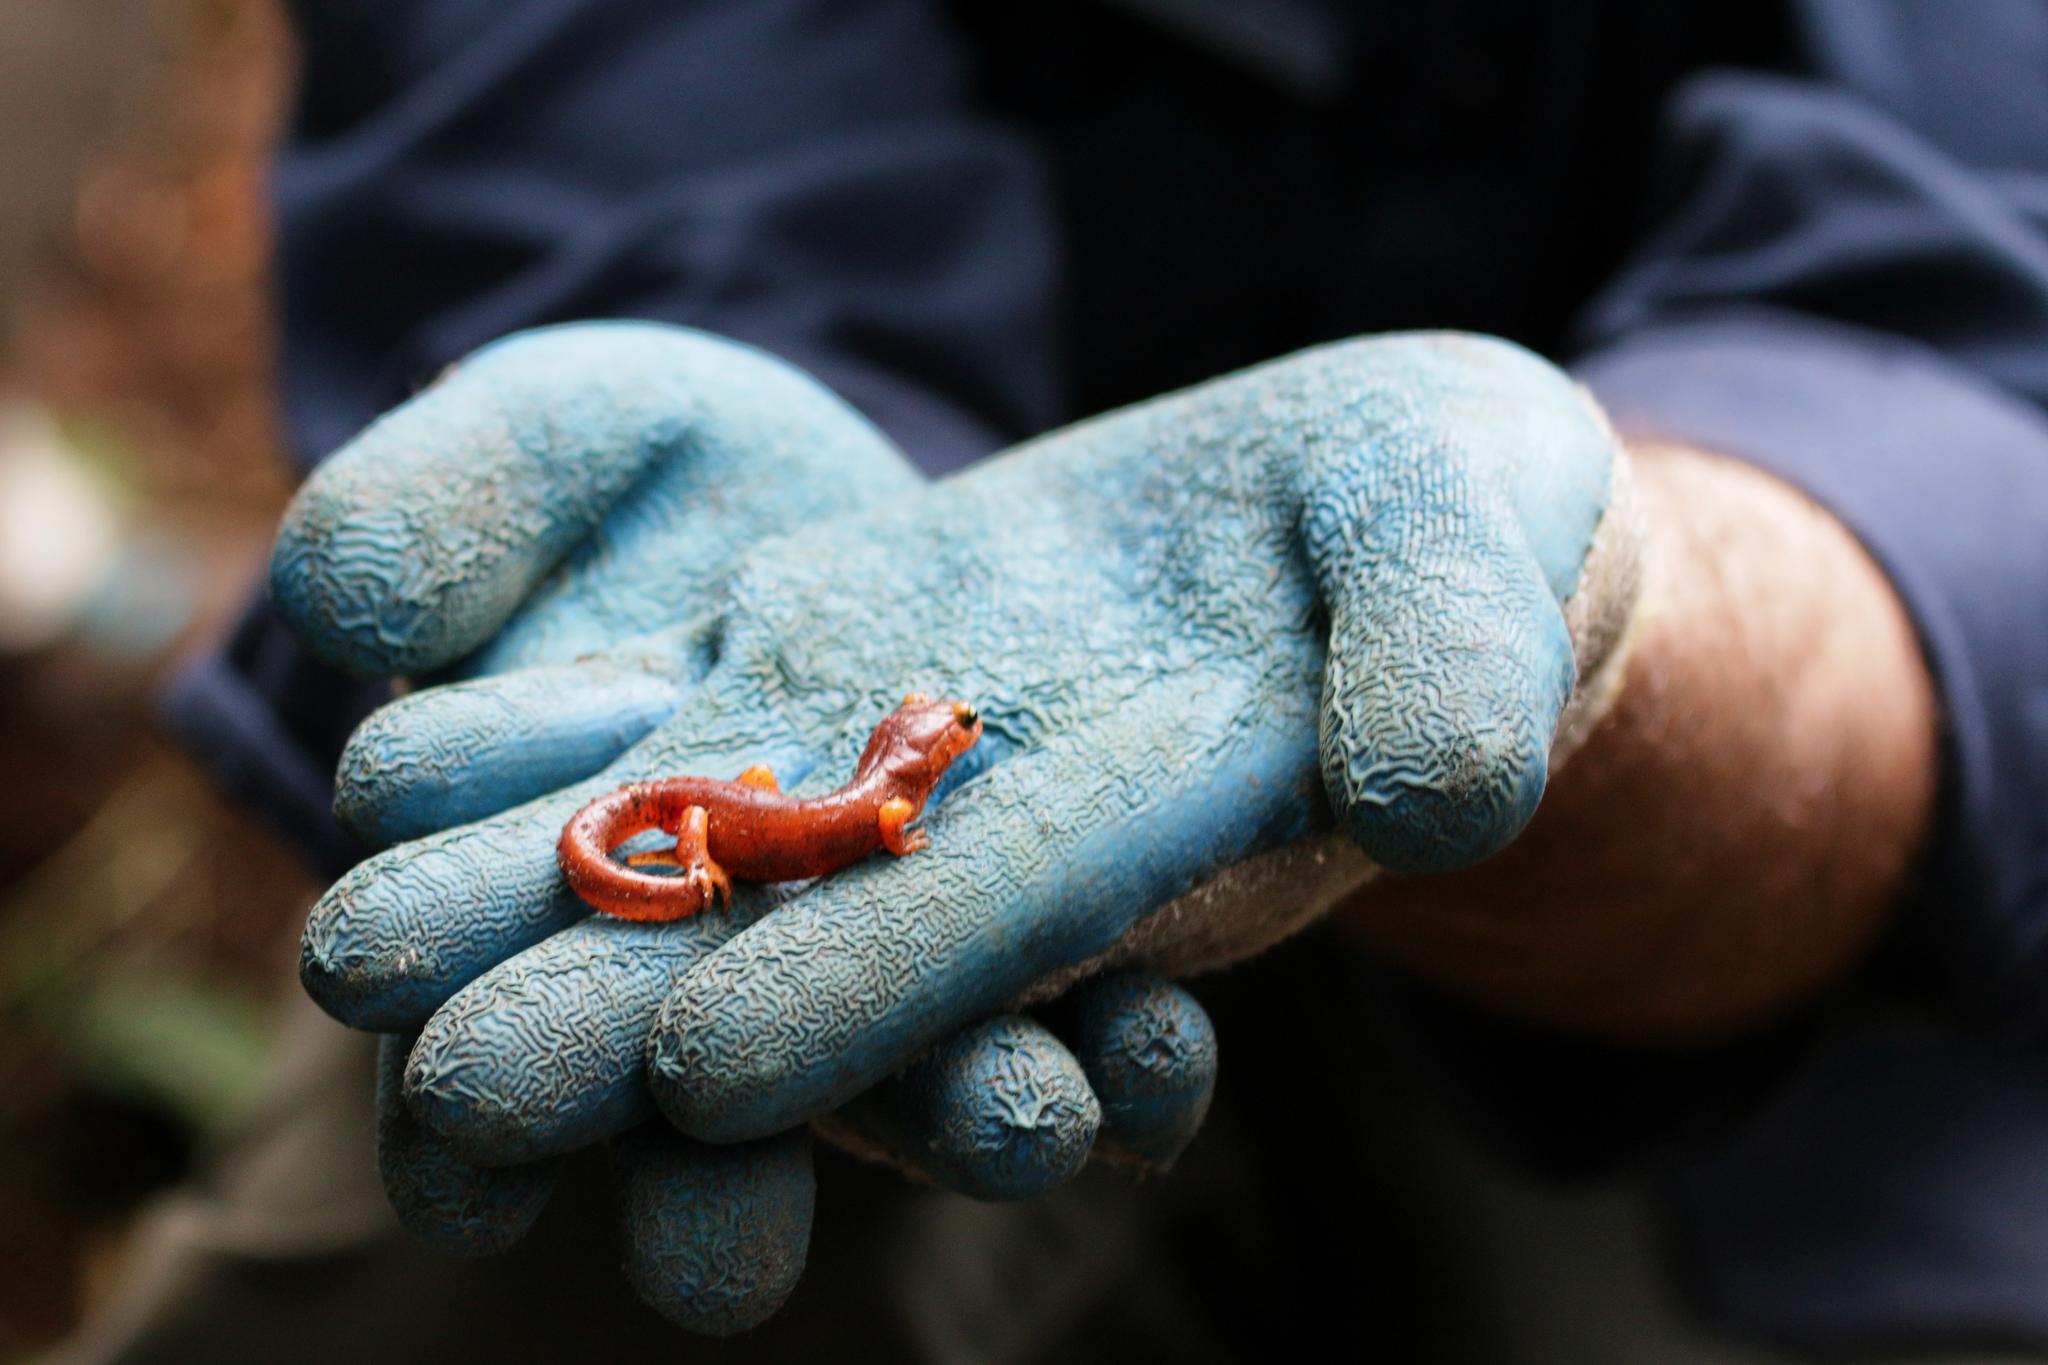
[(1735, 830)]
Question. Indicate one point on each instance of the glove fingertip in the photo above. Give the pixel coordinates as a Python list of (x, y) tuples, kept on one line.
[(358, 965), (1433, 765), (715, 1237), (544, 1053), (1000, 1112), (407, 928), (1149, 1050), (454, 754), (348, 980), (1458, 813), (460, 1208), (704, 1084), (341, 578)]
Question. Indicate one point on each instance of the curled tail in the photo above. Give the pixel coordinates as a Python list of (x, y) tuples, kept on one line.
[(585, 855)]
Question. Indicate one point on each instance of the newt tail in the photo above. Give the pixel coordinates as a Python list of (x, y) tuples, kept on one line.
[(748, 828)]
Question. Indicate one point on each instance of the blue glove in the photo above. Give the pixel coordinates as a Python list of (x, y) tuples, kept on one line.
[(585, 479), (1372, 588)]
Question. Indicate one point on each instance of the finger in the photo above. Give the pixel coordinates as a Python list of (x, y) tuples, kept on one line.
[(1445, 541), (439, 1197), (397, 936), (414, 544), (455, 754), (1149, 1052), (1042, 862), (405, 929), (715, 1237), (999, 1111), (545, 1053)]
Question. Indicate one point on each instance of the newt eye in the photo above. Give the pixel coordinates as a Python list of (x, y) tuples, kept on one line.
[(967, 716)]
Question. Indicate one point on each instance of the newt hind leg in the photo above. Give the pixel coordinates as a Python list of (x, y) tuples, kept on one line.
[(760, 775), (700, 877), (693, 852), (893, 820)]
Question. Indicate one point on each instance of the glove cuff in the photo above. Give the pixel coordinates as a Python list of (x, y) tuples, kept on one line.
[(1601, 612)]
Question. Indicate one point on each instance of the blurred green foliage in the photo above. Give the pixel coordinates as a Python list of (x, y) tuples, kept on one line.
[(124, 1015)]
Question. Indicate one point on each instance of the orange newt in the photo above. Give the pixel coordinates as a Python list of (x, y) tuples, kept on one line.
[(748, 828)]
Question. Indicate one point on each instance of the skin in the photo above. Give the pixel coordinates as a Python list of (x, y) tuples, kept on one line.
[(747, 828), (1737, 829)]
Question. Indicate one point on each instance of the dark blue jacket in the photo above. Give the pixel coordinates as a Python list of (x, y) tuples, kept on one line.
[(1814, 235)]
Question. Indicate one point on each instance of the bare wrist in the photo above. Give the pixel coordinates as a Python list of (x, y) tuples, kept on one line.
[(1735, 828)]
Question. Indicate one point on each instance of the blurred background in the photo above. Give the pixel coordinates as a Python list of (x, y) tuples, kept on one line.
[(144, 927)]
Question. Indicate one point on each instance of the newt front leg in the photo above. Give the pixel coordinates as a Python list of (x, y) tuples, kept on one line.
[(893, 821)]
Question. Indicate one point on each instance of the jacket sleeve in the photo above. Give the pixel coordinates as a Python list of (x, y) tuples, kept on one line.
[(1848, 285), (1860, 305)]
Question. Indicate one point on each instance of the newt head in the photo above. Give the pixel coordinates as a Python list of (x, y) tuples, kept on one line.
[(919, 740)]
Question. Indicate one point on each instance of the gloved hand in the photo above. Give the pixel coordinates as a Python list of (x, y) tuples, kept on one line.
[(1376, 582), (670, 454)]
